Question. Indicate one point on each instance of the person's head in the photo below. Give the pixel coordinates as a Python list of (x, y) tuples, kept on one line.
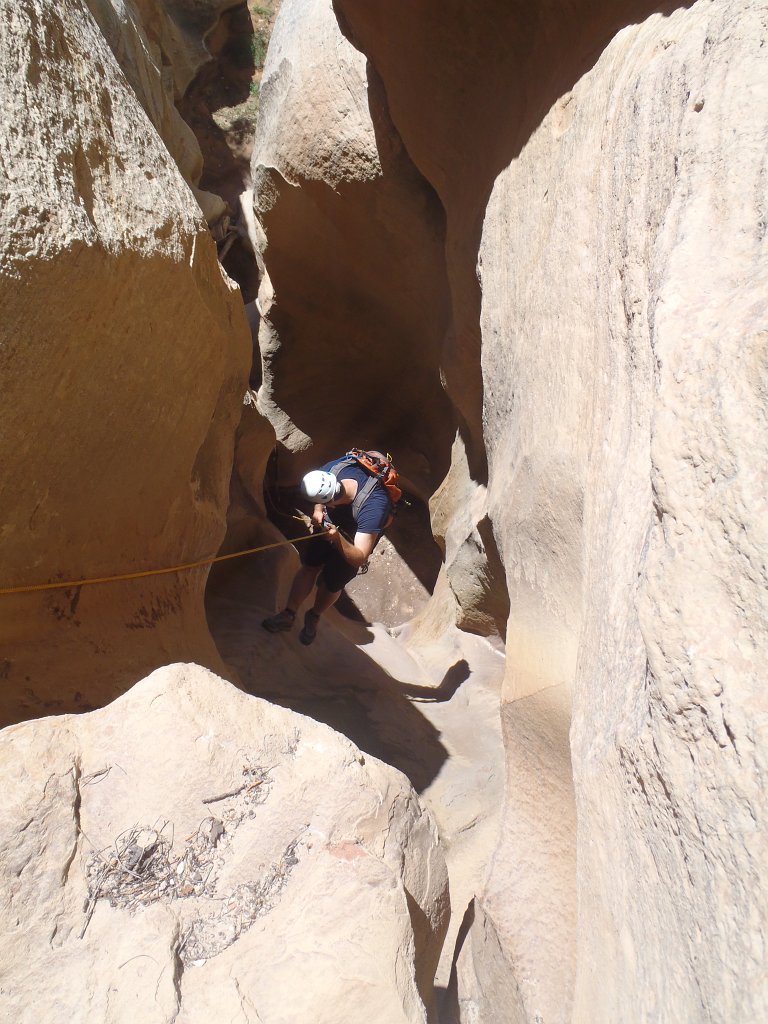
[(320, 487)]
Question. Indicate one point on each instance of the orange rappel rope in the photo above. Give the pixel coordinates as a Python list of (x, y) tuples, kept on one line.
[(148, 572)]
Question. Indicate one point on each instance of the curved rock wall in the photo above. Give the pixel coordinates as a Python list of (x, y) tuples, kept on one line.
[(356, 300), (590, 426), (678, 792), (623, 273), (123, 364), (159, 45), (617, 398)]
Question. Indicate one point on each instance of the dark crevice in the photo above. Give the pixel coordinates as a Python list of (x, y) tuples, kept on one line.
[(220, 106)]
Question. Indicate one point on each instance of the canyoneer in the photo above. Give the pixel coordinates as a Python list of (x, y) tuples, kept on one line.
[(354, 499)]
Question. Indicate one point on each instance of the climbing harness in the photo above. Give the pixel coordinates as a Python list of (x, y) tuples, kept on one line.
[(65, 585)]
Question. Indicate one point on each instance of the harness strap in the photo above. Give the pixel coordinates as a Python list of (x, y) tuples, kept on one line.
[(348, 460), (362, 495)]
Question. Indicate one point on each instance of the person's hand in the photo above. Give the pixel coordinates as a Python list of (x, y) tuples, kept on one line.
[(332, 533), (318, 513)]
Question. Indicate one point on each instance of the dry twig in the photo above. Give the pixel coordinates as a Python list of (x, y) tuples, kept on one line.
[(224, 796)]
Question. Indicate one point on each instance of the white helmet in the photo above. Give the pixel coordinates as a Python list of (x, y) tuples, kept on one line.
[(319, 486)]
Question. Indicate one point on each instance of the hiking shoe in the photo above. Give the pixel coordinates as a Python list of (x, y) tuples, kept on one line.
[(281, 622), (308, 634)]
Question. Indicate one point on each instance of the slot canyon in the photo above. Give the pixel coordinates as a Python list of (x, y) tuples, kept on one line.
[(520, 775)]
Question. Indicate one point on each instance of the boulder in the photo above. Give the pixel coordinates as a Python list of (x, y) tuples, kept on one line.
[(192, 853)]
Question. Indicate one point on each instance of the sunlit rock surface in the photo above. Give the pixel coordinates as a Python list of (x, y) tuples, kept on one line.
[(624, 279), (524, 250), (190, 852), (123, 364), (616, 158)]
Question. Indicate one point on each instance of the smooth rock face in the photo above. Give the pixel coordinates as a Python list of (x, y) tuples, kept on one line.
[(355, 299), (624, 280), (159, 47), (619, 398), (605, 497), (123, 363), (301, 880)]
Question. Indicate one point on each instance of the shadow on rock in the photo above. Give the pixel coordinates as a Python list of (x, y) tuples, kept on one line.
[(449, 684), (332, 682)]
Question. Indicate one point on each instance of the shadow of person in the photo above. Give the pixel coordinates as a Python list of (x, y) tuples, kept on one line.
[(457, 674), (332, 682)]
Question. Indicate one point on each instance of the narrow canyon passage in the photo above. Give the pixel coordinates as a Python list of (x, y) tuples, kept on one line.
[(519, 776), (434, 716)]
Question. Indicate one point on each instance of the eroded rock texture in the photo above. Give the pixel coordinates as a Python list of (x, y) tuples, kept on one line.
[(624, 283), (123, 363), (523, 246), (192, 853), (159, 45), (356, 298), (601, 172)]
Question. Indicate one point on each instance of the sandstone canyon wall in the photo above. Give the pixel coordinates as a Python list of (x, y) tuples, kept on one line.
[(624, 284), (602, 342), (123, 362), (522, 245)]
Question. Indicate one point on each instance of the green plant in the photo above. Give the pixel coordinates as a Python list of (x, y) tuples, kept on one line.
[(259, 42)]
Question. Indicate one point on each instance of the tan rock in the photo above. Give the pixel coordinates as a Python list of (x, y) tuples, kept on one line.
[(159, 47), (430, 710), (356, 300), (621, 357), (623, 396), (473, 569), (300, 880), (123, 366), (623, 386)]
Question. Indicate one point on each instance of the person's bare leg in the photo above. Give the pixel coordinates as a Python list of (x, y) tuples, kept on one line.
[(302, 585), (324, 598)]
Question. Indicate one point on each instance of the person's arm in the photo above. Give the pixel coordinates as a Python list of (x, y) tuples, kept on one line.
[(356, 554)]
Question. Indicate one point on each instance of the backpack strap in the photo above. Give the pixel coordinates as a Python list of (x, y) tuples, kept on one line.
[(348, 460), (364, 492), (362, 495)]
